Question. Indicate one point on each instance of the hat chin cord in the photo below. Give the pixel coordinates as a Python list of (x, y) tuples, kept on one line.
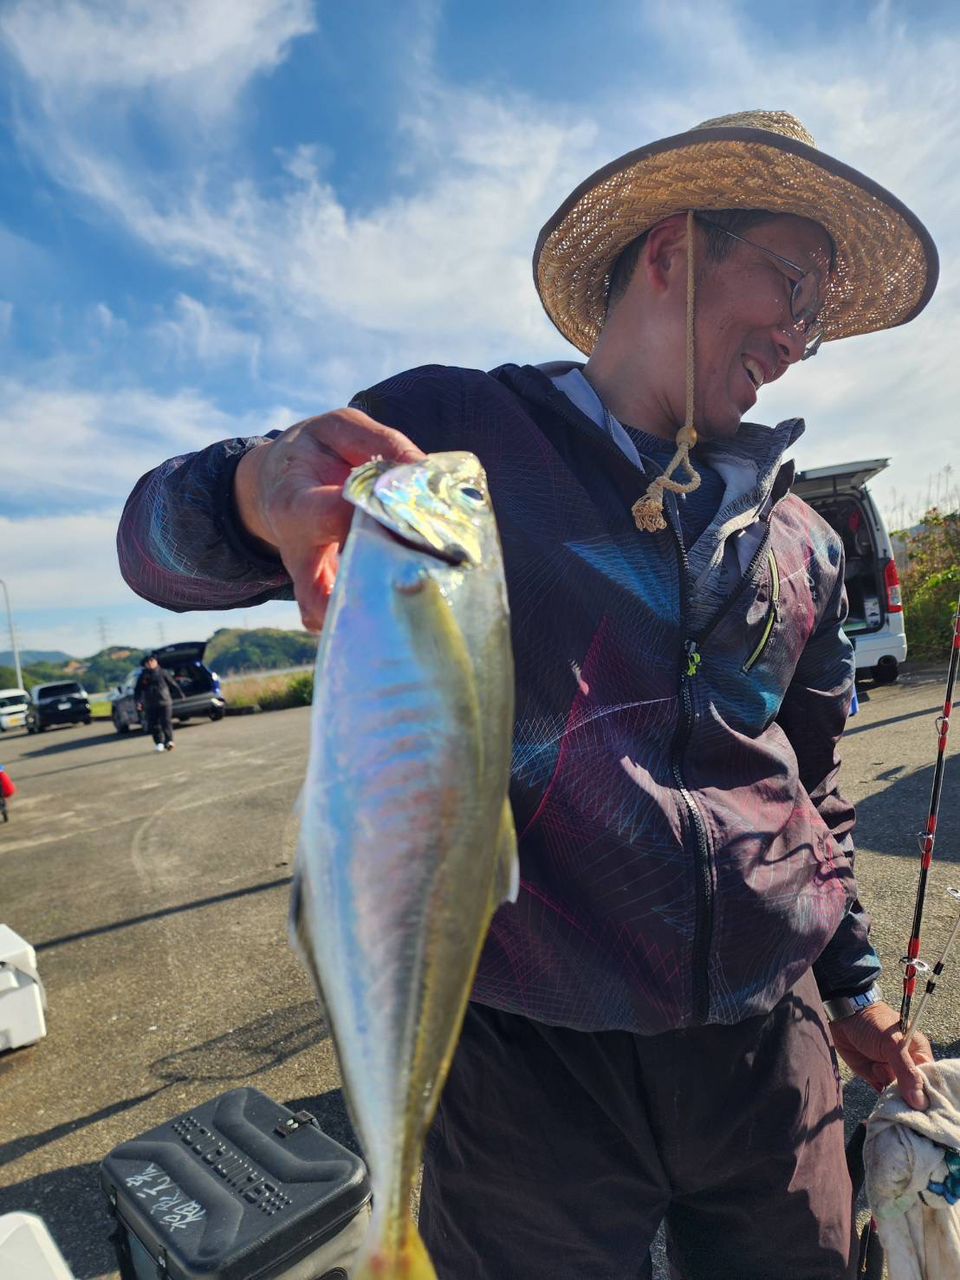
[(648, 510)]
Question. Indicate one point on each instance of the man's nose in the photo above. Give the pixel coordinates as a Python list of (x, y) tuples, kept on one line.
[(790, 343)]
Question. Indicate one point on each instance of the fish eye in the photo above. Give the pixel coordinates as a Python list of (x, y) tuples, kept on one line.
[(471, 493)]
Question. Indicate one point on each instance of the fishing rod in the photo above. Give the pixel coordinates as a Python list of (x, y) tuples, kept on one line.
[(870, 1261), (927, 837), (935, 973)]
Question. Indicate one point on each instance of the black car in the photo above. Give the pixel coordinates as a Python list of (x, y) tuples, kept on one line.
[(200, 693), (60, 702)]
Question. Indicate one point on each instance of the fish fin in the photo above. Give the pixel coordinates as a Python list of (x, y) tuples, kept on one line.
[(299, 933), (506, 886), (409, 1261), (359, 484), (296, 923)]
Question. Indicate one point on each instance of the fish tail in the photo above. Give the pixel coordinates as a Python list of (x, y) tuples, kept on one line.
[(406, 1259)]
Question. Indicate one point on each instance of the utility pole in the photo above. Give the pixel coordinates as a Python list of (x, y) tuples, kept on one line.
[(13, 635)]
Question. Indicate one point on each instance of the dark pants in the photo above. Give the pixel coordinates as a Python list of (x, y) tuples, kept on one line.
[(160, 721), (556, 1154)]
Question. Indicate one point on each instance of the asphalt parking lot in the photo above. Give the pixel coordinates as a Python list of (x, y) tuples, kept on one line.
[(155, 890)]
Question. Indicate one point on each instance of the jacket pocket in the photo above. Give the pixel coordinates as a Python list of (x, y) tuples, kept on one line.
[(773, 614)]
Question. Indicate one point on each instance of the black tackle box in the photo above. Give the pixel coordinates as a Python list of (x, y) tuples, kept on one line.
[(240, 1188)]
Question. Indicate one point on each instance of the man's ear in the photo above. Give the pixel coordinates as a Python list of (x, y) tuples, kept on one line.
[(664, 257)]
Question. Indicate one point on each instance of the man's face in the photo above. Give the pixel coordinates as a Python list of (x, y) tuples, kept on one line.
[(744, 336)]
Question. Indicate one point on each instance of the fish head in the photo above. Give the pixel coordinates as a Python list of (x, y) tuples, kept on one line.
[(440, 505)]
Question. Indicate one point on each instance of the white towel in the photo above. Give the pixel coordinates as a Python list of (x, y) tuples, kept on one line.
[(904, 1152)]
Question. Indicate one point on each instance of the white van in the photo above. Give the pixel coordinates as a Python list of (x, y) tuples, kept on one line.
[(875, 619), (13, 708)]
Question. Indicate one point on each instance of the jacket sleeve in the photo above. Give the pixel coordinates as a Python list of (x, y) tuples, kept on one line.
[(813, 715), (180, 542)]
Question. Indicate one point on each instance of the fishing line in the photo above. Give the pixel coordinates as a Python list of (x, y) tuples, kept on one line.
[(927, 837)]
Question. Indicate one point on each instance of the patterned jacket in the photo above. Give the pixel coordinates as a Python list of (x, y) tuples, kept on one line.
[(685, 849)]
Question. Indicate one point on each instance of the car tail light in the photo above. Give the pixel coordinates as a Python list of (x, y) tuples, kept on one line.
[(892, 579)]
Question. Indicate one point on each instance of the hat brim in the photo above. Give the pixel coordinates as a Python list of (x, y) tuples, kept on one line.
[(886, 263)]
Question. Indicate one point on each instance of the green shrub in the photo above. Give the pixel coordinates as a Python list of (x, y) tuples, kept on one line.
[(930, 608), (297, 692), (301, 689), (930, 583)]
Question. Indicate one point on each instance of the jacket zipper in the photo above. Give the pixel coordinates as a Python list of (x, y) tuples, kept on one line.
[(772, 613), (690, 666), (703, 926)]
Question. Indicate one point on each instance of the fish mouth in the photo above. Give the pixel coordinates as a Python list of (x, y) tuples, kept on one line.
[(458, 557)]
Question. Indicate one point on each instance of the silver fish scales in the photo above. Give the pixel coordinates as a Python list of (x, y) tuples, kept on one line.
[(407, 843)]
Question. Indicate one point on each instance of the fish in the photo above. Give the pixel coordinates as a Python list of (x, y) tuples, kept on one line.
[(407, 844)]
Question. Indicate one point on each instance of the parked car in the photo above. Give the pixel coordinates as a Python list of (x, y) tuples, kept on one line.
[(59, 702), (875, 620), (13, 708), (200, 692)]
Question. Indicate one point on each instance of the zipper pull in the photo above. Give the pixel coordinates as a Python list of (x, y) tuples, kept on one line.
[(694, 657)]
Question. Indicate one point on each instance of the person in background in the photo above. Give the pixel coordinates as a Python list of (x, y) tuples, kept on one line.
[(154, 693), (7, 789)]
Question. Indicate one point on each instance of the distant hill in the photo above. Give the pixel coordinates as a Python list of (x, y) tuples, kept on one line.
[(33, 655), (233, 649), (105, 668), (229, 650), (100, 671)]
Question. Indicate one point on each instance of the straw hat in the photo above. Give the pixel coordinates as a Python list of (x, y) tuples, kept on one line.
[(886, 263)]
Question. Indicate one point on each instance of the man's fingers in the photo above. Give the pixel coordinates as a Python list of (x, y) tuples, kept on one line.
[(329, 564), (356, 437), (920, 1048), (911, 1087), (313, 574), (289, 495), (314, 516), (909, 1076)]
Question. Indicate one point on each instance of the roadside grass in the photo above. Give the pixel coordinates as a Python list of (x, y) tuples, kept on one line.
[(100, 709), (270, 693)]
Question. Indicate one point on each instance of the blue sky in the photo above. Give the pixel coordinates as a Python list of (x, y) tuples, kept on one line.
[(221, 216)]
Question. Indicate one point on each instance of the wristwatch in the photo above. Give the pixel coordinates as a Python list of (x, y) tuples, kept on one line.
[(845, 1006)]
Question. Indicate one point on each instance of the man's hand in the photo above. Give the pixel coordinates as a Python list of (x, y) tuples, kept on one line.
[(288, 494), (870, 1044)]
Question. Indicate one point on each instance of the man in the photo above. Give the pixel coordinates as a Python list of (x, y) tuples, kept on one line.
[(154, 693), (646, 1040)]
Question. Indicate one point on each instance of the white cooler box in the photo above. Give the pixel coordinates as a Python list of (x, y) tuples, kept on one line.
[(22, 997), (27, 1252)]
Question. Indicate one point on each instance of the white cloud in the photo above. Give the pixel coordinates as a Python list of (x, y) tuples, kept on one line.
[(453, 259), (107, 439), (203, 51), (64, 562), (104, 319), (196, 333)]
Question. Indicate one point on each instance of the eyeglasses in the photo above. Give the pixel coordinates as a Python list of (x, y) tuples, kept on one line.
[(805, 301)]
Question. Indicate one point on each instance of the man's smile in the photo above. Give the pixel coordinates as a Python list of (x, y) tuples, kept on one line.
[(755, 371)]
